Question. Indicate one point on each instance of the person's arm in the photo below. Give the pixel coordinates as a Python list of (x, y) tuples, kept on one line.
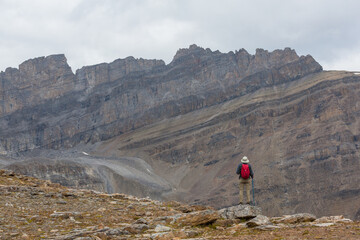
[(238, 169)]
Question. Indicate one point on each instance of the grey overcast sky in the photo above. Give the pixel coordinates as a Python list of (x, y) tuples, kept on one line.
[(94, 31)]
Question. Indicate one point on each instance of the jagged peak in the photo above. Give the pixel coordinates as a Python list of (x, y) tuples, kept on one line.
[(241, 51), (259, 51), (193, 49), (261, 56), (285, 52)]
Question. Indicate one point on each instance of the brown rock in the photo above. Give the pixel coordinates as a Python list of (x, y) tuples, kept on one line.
[(227, 222), (198, 218), (141, 221), (136, 228)]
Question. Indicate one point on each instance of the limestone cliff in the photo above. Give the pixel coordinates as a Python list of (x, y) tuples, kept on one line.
[(191, 121), (44, 105)]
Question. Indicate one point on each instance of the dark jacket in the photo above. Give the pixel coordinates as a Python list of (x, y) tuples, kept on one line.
[(238, 170)]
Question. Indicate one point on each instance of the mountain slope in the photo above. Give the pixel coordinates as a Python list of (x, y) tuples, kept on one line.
[(190, 122), (301, 138)]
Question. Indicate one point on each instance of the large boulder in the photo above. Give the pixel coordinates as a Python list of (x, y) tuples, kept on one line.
[(240, 211), (258, 221), (198, 218)]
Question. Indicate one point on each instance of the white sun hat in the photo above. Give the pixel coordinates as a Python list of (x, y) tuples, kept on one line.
[(245, 159)]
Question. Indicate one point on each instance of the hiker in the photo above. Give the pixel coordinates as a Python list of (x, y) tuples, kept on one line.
[(245, 172)]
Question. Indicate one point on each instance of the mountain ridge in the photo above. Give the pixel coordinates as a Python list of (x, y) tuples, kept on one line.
[(87, 78)]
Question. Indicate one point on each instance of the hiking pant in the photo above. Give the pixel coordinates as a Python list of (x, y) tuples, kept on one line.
[(244, 183)]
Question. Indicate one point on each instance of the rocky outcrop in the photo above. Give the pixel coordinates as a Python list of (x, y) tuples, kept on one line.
[(240, 212)]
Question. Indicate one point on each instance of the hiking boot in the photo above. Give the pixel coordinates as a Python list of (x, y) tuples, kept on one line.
[(248, 203)]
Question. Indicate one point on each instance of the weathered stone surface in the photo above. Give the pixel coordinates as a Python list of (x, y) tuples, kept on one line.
[(162, 228), (136, 228), (240, 211), (258, 221), (333, 219), (296, 218), (141, 221), (198, 218)]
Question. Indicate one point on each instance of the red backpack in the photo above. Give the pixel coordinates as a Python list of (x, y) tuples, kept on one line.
[(245, 171)]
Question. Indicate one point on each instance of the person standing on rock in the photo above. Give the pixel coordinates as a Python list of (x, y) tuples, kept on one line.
[(244, 171)]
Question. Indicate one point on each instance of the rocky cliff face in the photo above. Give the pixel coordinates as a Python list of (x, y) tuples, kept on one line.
[(50, 107), (191, 121), (301, 139)]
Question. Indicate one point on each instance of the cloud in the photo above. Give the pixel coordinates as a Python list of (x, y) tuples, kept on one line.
[(91, 31), (344, 59)]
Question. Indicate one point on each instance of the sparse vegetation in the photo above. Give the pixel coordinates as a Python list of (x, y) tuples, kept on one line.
[(35, 209)]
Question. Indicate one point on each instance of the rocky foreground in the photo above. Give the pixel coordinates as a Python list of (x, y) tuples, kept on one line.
[(35, 209)]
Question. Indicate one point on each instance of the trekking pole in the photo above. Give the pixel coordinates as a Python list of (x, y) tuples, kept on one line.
[(253, 191)]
